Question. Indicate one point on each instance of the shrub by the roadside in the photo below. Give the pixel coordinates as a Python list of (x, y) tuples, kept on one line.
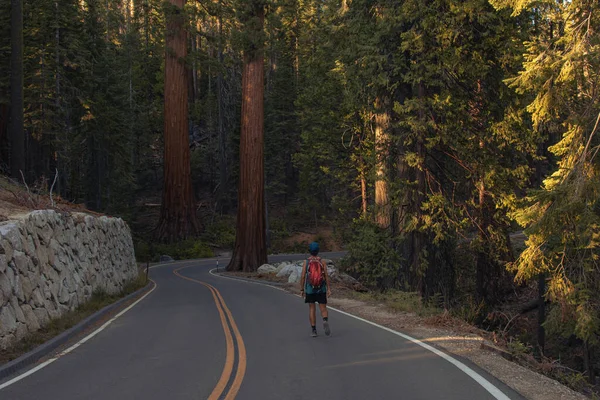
[(371, 257), (184, 250)]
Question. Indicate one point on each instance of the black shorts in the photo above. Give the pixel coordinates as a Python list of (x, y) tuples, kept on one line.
[(320, 298)]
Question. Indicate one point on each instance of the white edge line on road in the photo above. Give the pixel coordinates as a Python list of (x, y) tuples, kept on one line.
[(487, 385), (76, 345)]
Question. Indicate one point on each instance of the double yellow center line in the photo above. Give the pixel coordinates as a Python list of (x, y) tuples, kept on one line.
[(224, 389)]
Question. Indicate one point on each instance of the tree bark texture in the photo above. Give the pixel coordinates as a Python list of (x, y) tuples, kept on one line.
[(16, 130), (382, 147), (419, 197), (363, 189), (541, 331), (224, 200), (178, 215), (250, 250)]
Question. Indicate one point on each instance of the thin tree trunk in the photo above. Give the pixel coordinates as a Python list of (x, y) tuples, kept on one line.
[(223, 170), (250, 243), (363, 189), (57, 103), (419, 195), (195, 47), (382, 142), (178, 215), (541, 332), (588, 363), (483, 276), (402, 219), (489, 271), (16, 128)]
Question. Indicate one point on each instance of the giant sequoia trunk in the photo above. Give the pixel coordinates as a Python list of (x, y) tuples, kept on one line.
[(16, 131), (178, 216), (250, 242)]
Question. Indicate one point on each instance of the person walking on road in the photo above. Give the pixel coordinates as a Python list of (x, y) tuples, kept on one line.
[(314, 287)]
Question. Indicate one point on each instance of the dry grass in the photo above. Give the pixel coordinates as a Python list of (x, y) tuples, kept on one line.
[(17, 199)]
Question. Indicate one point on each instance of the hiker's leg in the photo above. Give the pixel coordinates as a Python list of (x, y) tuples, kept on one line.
[(312, 314), (323, 309), (324, 314)]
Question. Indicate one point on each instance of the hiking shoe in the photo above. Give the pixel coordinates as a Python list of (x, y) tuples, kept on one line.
[(314, 333), (327, 329)]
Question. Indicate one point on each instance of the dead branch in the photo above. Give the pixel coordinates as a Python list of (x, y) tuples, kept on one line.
[(52, 187)]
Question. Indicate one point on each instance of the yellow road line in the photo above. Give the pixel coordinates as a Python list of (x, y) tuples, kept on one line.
[(225, 314), (241, 368)]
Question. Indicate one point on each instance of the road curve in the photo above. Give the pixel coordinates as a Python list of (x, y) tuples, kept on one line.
[(199, 336)]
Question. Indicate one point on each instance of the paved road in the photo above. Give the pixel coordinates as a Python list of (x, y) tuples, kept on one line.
[(198, 336)]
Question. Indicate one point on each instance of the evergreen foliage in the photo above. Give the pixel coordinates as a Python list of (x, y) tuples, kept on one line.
[(424, 131)]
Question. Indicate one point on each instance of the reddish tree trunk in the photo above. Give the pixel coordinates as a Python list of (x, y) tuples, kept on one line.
[(250, 250), (178, 215), (383, 209), (363, 189)]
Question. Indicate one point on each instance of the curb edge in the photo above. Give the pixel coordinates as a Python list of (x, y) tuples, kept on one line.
[(31, 357)]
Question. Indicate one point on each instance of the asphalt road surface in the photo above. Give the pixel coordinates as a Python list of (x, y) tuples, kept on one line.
[(200, 336)]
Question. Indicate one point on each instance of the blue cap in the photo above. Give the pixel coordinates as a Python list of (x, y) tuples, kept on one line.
[(313, 247)]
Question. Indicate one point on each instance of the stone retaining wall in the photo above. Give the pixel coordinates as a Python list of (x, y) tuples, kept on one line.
[(50, 263)]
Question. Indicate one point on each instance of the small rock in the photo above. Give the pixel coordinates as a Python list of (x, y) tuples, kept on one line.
[(348, 279), (37, 298), (18, 311), (18, 289), (5, 287), (267, 269), (42, 316), (31, 319), (21, 332), (6, 249), (280, 266), (63, 296), (21, 261), (6, 341), (294, 276), (8, 320), (3, 263), (286, 270), (10, 232)]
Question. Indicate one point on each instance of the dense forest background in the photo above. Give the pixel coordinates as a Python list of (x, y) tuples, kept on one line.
[(425, 134)]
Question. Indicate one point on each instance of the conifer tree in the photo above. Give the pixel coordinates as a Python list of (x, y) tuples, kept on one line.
[(178, 214), (250, 250), (561, 73)]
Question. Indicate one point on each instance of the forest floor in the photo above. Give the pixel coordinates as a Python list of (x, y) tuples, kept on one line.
[(443, 330)]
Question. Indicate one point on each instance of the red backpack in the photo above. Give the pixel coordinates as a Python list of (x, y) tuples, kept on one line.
[(316, 273)]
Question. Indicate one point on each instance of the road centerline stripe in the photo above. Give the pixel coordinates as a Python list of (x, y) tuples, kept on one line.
[(224, 388), (482, 381)]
